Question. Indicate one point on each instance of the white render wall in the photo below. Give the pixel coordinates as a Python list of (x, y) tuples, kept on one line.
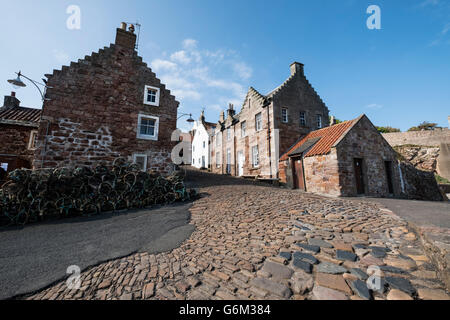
[(198, 151)]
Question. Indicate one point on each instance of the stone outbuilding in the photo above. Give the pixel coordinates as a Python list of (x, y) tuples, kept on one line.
[(348, 159), (18, 129), (109, 104), (249, 143)]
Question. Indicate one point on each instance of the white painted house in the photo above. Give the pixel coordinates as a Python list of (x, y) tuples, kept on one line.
[(201, 150)]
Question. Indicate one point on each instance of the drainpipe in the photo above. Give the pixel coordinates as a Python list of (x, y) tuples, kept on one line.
[(267, 104)]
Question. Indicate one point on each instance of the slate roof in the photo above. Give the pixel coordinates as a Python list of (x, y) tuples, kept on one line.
[(321, 140), (20, 115)]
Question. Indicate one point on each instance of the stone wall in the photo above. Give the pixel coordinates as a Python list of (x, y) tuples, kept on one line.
[(16, 140), (419, 185), (422, 138), (93, 112), (322, 174), (421, 157)]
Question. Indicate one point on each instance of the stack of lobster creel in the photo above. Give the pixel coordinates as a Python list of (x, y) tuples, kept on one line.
[(32, 195)]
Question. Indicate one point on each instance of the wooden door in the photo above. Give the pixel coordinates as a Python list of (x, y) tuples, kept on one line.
[(359, 176), (297, 166)]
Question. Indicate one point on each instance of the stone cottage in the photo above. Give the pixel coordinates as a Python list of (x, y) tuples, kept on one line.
[(249, 143), (109, 104), (349, 159), (18, 130), (201, 142)]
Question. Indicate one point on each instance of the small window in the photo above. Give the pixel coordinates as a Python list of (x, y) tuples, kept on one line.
[(151, 96), (218, 138), (193, 160), (319, 121), (141, 161), (229, 134), (302, 119), (148, 127), (258, 122), (244, 129), (204, 144), (255, 157), (193, 148), (4, 166), (32, 142), (284, 115)]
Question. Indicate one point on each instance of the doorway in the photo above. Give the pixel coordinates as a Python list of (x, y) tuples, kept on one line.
[(241, 160), (360, 189), (298, 176), (388, 166)]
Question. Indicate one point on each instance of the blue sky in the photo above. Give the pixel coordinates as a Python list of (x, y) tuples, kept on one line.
[(209, 52)]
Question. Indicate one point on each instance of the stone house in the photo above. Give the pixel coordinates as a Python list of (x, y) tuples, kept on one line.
[(201, 142), (109, 104), (249, 143), (348, 159), (18, 130)]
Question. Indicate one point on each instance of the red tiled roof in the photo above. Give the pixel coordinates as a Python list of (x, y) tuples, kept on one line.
[(20, 114), (328, 137)]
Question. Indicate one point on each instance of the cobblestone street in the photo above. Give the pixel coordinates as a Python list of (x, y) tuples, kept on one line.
[(259, 242)]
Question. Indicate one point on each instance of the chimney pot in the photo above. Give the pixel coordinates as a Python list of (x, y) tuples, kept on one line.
[(125, 38), (13, 94), (123, 26)]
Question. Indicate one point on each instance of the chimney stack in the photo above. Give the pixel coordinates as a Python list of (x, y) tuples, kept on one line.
[(222, 116), (230, 111), (11, 101), (297, 67), (126, 38)]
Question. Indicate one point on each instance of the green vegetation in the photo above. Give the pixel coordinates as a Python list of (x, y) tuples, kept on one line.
[(441, 180), (387, 129), (425, 126)]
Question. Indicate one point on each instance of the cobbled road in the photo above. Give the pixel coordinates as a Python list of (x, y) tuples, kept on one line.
[(255, 241)]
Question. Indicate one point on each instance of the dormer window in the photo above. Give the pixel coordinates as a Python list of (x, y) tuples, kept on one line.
[(151, 96)]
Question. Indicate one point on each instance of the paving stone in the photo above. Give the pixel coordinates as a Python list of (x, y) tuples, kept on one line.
[(278, 289), (148, 291), (320, 243), (407, 264), (359, 273), (307, 247), (359, 246), (305, 257), (331, 281), (327, 267), (278, 271), (302, 286), (370, 260), (302, 265), (345, 255), (391, 269), (323, 293), (360, 288), (432, 294), (286, 255), (401, 284), (342, 246), (395, 294), (380, 254)]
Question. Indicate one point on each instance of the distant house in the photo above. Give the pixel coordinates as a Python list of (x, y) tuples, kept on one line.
[(107, 105), (18, 130), (348, 159), (249, 143), (201, 143)]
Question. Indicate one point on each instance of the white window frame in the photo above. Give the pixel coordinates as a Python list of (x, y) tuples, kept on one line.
[(243, 129), (303, 119), (283, 115), (204, 144), (255, 156), (319, 121), (33, 136), (145, 136), (158, 94), (258, 127), (135, 155)]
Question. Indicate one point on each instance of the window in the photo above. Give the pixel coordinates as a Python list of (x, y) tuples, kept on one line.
[(228, 134), (244, 129), (228, 161), (284, 115), (319, 121), (218, 160), (204, 144), (147, 127), (258, 122), (218, 138), (255, 156), (141, 161), (4, 166), (193, 148), (151, 96), (302, 119), (32, 142), (193, 160)]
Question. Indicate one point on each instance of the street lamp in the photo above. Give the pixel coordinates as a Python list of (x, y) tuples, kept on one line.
[(186, 114), (18, 83)]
